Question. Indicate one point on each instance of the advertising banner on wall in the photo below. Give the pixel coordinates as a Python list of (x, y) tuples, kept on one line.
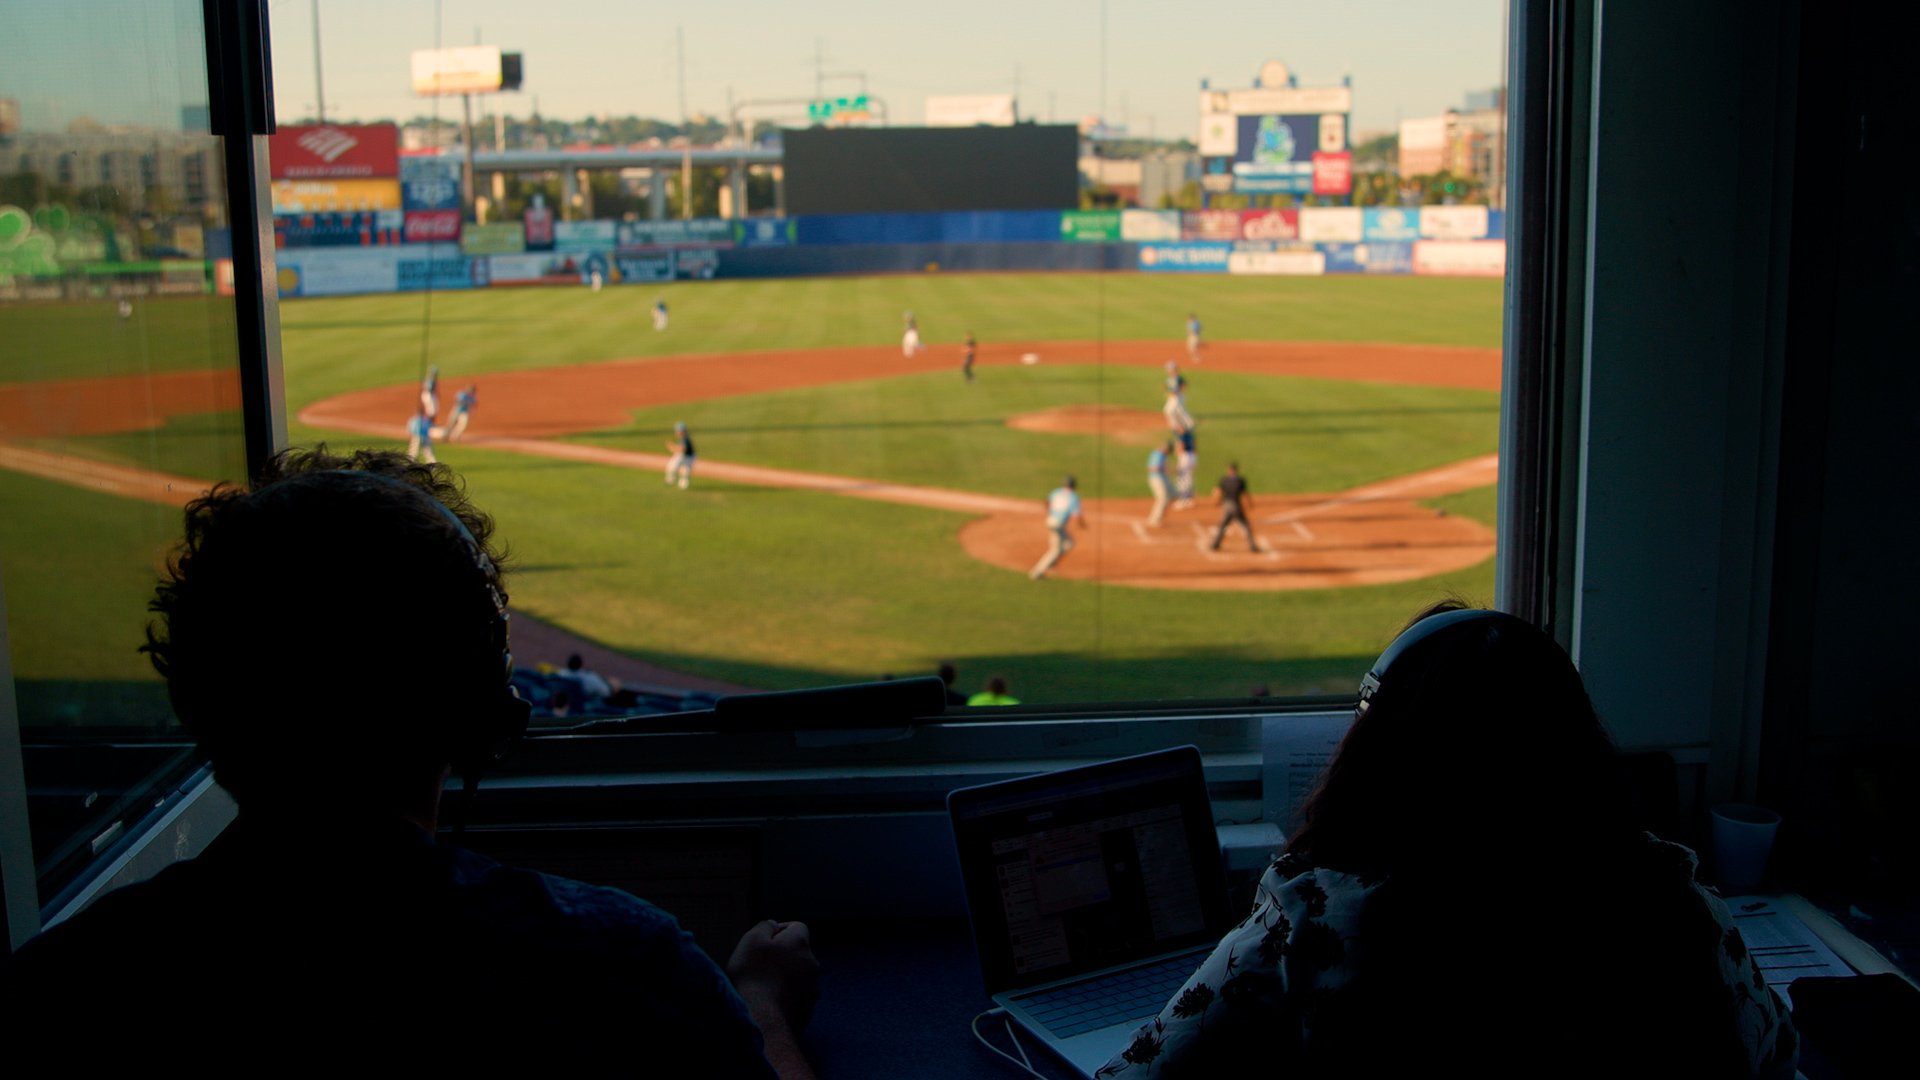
[(1460, 258), (1453, 222), (1331, 224), (585, 235), (1390, 223), (765, 232), (332, 196), (1277, 262), (1269, 225), (432, 227), (1187, 257), (695, 232), (539, 222), (1377, 258), (369, 229), (700, 263), (497, 238), (429, 183), (1142, 225), (654, 266), (441, 267), (1332, 172), (535, 268), (1210, 225), (333, 151), (1090, 225)]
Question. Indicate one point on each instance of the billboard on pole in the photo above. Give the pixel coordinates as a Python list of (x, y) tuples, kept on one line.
[(473, 69), (970, 110)]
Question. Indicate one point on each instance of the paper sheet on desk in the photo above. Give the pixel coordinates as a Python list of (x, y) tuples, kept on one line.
[(1294, 751), (1782, 946)]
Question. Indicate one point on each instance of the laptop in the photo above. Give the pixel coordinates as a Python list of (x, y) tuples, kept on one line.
[(1094, 893)]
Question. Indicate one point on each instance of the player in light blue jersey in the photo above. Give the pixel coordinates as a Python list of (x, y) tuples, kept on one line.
[(1063, 505), (1193, 337), (420, 437), (1157, 480)]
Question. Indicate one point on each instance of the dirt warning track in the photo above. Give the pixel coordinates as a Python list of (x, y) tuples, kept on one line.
[(1373, 534)]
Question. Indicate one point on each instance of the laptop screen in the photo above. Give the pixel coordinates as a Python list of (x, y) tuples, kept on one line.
[(1074, 871)]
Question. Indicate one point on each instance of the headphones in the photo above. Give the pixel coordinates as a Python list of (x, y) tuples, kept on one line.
[(1414, 635), (500, 723)]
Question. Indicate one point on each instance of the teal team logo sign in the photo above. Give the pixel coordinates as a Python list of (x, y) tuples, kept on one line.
[(1273, 142), (839, 110)]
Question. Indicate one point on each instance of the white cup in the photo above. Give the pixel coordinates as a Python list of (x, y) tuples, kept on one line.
[(1742, 840)]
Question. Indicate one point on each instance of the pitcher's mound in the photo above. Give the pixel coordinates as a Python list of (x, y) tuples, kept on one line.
[(1117, 420)]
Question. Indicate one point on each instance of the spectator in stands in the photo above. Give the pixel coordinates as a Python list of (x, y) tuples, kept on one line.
[(947, 677), (994, 694), (1467, 882), (593, 687), (326, 923)]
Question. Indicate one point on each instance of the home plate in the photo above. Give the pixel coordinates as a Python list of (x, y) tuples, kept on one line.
[(1030, 358)]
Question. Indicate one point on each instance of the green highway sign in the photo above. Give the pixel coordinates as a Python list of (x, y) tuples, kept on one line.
[(829, 109)]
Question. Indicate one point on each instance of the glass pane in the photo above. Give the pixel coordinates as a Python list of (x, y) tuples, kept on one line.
[(119, 387), (743, 244)]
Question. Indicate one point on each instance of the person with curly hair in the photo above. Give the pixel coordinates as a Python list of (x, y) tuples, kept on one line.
[(335, 638), (1467, 892)]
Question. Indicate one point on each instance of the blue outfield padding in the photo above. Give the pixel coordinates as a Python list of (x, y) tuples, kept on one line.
[(950, 227), (801, 260), (1384, 257)]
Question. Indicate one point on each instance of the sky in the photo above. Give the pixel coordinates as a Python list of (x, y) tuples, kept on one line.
[(138, 61), (598, 57)]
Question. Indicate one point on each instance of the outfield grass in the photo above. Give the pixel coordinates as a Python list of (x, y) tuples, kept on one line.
[(1289, 434)]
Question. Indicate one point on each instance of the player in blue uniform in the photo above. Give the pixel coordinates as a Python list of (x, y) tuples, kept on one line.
[(1157, 480), (420, 436), (1175, 410), (659, 313), (1063, 505), (1193, 337), (680, 465), (462, 413), (430, 393)]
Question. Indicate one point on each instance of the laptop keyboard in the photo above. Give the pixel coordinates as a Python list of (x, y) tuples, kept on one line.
[(1133, 994)]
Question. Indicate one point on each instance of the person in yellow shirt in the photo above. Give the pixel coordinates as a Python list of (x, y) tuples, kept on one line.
[(994, 694)]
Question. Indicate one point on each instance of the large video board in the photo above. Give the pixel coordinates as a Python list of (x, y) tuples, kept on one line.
[(1283, 140)]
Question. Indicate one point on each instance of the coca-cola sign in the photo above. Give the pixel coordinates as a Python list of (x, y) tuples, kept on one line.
[(334, 151), (430, 226)]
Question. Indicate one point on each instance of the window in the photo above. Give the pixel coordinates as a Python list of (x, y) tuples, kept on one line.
[(856, 505), (120, 398)]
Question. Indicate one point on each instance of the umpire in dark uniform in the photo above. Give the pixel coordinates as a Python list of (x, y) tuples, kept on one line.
[(1234, 500)]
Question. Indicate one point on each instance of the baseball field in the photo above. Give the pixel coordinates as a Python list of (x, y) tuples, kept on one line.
[(856, 513)]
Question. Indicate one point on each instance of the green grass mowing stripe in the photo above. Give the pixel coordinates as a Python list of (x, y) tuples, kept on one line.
[(337, 344), (1289, 434)]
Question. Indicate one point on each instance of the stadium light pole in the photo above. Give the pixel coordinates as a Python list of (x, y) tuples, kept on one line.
[(319, 88)]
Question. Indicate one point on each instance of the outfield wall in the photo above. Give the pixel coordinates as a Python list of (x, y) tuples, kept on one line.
[(370, 252)]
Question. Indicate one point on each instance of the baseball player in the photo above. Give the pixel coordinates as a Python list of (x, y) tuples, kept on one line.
[(680, 465), (966, 363), (910, 341), (659, 313), (462, 412), (1193, 337), (1189, 461), (1175, 410), (420, 436), (1234, 500), (430, 393), (1063, 505), (1157, 480)]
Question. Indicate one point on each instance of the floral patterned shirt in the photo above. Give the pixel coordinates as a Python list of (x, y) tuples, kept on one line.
[(1283, 971)]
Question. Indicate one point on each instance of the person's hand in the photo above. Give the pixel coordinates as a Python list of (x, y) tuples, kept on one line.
[(774, 966)]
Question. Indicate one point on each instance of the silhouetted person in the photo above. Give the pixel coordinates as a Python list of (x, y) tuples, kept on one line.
[(947, 677), (1467, 888), (1234, 500), (325, 924)]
